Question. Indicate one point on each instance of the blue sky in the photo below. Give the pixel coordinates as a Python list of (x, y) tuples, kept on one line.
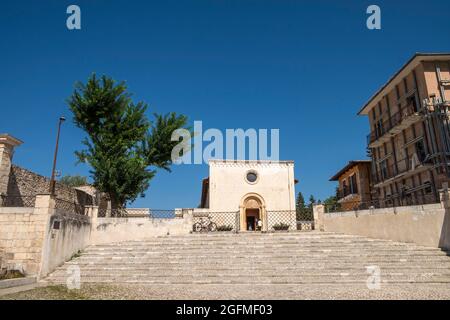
[(305, 67)]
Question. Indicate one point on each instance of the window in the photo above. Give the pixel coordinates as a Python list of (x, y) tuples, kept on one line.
[(353, 184), (379, 128), (251, 177), (344, 189), (420, 150), (412, 101), (383, 169), (428, 189)]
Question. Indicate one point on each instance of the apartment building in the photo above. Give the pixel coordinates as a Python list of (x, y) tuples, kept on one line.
[(409, 140), (354, 185)]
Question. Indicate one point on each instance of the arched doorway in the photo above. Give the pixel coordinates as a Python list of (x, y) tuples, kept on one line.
[(252, 210)]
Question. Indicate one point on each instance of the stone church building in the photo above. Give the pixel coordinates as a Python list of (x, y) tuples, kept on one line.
[(255, 190)]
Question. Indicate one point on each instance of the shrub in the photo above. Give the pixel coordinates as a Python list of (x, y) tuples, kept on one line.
[(225, 228), (281, 226)]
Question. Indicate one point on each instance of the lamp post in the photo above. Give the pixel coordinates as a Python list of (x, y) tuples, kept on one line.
[(52, 179)]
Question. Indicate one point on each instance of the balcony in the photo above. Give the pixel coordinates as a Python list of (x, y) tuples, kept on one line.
[(346, 194), (394, 125), (401, 168)]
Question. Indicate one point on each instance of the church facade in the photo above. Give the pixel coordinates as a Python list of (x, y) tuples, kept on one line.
[(262, 193)]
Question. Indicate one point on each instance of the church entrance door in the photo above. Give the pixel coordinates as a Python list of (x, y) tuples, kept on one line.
[(251, 219)]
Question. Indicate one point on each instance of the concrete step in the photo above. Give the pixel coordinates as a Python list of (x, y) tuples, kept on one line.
[(280, 258), (235, 279), (261, 258), (256, 251), (219, 266)]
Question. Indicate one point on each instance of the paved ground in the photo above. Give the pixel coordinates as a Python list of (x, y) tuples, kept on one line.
[(230, 292)]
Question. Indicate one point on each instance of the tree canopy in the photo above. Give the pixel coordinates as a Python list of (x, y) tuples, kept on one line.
[(123, 147)]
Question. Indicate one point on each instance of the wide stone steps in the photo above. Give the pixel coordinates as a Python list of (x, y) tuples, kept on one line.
[(262, 258), (285, 258), (251, 252), (239, 279)]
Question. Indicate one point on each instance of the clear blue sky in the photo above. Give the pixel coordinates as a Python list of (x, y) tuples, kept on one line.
[(305, 67)]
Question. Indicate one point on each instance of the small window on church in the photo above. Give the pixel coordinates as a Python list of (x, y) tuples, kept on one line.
[(252, 177)]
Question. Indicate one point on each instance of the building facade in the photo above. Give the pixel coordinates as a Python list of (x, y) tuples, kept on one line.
[(409, 140), (354, 185), (254, 190)]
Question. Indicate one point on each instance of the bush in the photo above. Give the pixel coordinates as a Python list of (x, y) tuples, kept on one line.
[(225, 228), (281, 226), (10, 274)]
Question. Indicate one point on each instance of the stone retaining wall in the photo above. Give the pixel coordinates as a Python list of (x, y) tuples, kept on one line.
[(21, 238), (427, 225), (37, 240), (110, 230)]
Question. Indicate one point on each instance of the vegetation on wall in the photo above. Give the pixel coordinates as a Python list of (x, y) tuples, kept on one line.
[(74, 181)]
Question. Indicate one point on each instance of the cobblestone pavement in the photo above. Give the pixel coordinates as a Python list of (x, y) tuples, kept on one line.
[(231, 292)]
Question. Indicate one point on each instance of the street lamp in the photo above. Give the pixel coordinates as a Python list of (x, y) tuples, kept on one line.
[(52, 179)]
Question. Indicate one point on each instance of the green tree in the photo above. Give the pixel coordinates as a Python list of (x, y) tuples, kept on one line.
[(123, 148), (74, 181), (312, 201), (331, 203), (300, 207)]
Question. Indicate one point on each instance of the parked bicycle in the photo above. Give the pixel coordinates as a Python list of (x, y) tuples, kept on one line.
[(205, 225)]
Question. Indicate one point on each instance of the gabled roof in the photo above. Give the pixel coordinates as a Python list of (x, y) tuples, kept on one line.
[(350, 165), (400, 74)]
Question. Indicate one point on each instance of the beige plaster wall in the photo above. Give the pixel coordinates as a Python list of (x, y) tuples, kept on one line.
[(426, 225), (110, 230), (228, 185), (61, 244)]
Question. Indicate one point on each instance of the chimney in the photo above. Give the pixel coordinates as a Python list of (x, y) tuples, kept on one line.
[(7, 144)]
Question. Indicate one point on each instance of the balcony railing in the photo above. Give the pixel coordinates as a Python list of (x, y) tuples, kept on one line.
[(393, 121), (397, 168), (411, 199), (345, 192)]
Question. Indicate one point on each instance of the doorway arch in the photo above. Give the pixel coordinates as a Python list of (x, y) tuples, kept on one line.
[(252, 208)]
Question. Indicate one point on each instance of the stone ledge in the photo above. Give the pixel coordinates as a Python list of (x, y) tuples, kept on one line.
[(8, 283)]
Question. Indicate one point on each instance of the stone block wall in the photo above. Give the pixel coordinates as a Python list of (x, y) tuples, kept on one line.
[(23, 182), (21, 238), (37, 240)]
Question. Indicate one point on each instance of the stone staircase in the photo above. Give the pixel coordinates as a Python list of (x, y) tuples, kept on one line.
[(252, 258)]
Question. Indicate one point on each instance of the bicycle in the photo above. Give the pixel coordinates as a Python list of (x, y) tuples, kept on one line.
[(205, 225)]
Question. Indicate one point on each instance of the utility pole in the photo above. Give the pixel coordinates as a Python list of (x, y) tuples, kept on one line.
[(52, 179)]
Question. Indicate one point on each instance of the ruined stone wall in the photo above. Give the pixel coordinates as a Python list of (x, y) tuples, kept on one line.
[(24, 183)]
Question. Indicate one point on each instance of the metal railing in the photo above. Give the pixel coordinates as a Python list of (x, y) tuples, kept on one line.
[(288, 220), (224, 221), (17, 201), (346, 191), (390, 202), (137, 213), (399, 167), (393, 121)]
